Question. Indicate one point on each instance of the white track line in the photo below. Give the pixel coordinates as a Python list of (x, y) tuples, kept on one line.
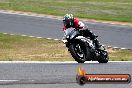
[(23, 35), (56, 39), (123, 48), (31, 36), (38, 37), (28, 14), (12, 34), (49, 38), (60, 62), (50, 62), (5, 33), (9, 80)]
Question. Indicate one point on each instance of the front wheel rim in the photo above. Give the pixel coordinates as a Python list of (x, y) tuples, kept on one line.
[(79, 51)]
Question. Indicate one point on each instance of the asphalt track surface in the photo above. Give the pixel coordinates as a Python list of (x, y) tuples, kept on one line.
[(109, 34), (58, 75)]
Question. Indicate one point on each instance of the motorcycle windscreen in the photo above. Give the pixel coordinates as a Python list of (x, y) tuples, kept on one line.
[(70, 33)]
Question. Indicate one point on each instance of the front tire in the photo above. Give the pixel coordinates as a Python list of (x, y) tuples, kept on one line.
[(78, 52)]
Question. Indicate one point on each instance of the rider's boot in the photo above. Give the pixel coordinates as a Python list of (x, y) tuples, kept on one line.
[(97, 44)]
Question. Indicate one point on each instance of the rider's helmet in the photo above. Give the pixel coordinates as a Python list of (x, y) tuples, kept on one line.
[(68, 20)]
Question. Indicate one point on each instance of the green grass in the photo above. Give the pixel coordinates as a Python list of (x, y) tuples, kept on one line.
[(115, 10), (18, 48)]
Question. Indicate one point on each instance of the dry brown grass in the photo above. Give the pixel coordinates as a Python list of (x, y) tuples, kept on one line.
[(25, 48)]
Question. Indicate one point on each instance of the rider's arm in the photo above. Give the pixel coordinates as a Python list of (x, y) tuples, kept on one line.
[(64, 28), (78, 24)]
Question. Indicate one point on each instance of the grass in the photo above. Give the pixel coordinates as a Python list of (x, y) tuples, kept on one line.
[(19, 48), (120, 55), (115, 10)]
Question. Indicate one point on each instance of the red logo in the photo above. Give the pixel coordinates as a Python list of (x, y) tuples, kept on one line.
[(83, 78)]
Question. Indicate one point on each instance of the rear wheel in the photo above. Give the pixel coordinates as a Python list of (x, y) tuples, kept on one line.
[(79, 52), (103, 57)]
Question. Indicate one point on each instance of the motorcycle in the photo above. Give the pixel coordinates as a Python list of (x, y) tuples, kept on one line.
[(83, 48)]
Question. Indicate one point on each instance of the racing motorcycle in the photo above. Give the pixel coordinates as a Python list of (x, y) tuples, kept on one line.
[(83, 48)]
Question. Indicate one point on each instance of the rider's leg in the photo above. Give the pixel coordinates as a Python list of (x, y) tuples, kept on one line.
[(92, 36), (89, 33), (97, 44)]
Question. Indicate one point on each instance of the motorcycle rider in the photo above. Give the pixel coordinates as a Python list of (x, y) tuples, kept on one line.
[(70, 22)]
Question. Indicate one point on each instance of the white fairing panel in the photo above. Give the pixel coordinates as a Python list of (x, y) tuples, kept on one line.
[(81, 24), (70, 32), (80, 37), (90, 42)]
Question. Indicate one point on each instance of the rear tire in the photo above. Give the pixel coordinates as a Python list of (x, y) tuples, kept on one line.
[(103, 58)]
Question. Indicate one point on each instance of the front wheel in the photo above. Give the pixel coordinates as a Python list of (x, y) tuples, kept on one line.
[(78, 52)]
